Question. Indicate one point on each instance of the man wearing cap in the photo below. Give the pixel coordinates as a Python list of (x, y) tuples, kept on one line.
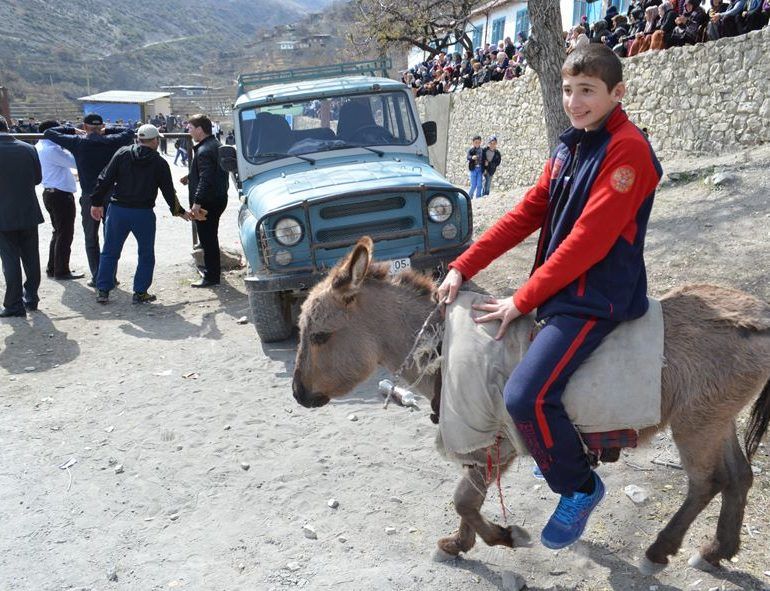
[(59, 185), (136, 173), (92, 147), (490, 159), (20, 216)]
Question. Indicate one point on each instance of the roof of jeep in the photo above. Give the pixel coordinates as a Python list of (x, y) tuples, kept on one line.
[(321, 88)]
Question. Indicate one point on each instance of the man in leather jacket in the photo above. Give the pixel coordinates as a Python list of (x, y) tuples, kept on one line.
[(208, 184)]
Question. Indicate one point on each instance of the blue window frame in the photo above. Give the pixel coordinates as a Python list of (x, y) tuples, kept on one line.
[(622, 5), (591, 10), (498, 26), (522, 22), (477, 34)]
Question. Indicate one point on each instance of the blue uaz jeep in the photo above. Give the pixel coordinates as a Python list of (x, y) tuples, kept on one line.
[(321, 163)]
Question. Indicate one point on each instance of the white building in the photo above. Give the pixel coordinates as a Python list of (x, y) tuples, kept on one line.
[(499, 19)]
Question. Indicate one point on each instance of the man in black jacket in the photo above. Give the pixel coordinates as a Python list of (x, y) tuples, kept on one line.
[(208, 185), (136, 173), (92, 148), (19, 217)]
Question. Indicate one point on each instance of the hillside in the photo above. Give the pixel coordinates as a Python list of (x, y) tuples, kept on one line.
[(54, 51)]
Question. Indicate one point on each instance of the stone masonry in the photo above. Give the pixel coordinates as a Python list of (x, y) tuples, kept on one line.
[(707, 98)]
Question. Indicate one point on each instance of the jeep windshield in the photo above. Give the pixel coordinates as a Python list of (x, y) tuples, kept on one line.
[(282, 130)]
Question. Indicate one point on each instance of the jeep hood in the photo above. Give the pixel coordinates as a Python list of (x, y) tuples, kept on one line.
[(285, 187)]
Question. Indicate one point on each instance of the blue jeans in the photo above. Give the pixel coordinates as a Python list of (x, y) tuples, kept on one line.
[(487, 184), (120, 222), (476, 182), (180, 153), (533, 397)]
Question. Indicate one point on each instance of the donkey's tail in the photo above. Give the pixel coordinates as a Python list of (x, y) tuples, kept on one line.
[(758, 422)]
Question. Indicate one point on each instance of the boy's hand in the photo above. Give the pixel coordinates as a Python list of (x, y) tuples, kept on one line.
[(503, 310), (447, 291)]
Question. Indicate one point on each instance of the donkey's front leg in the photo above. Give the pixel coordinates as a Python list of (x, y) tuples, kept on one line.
[(468, 498)]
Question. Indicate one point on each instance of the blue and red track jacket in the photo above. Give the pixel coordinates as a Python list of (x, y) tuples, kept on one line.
[(591, 203)]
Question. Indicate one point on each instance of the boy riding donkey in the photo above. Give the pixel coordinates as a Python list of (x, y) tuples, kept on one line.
[(591, 204)]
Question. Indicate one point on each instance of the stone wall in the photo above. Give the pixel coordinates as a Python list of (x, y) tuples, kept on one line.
[(711, 97)]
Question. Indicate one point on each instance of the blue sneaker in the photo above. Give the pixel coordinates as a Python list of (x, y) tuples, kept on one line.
[(567, 523)]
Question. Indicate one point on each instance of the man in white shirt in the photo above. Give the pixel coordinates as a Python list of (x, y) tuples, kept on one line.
[(59, 200)]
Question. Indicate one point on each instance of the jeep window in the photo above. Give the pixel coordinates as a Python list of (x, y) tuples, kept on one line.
[(279, 130)]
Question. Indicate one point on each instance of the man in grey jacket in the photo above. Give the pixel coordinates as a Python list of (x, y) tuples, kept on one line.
[(20, 216)]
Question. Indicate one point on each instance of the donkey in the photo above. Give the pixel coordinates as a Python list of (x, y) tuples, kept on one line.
[(717, 350)]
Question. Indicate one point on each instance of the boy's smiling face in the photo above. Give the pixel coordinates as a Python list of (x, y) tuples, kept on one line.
[(587, 101)]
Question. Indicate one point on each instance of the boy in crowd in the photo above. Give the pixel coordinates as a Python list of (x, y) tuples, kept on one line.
[(591, 204), (476, 166), (491, 159)]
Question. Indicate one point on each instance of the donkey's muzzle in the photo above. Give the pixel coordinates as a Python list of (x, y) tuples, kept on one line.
[(304, 397)]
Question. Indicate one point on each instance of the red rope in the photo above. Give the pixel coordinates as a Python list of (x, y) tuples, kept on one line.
[(499, 486)]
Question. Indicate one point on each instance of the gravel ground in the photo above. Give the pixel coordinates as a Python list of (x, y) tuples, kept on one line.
[(195, 469)]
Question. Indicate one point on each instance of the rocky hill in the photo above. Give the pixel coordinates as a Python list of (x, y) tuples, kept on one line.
[(52, 52)]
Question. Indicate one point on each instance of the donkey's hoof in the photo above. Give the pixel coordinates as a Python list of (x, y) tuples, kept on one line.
[(453, 545), (520, 537), (649, 568), (697, 561), (441, 556)]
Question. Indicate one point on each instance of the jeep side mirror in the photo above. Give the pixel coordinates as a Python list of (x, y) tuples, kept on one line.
[(228, 158), (430, 130)]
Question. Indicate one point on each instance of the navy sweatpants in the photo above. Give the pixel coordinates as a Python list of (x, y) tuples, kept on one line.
[(120, 222), (533, 397)]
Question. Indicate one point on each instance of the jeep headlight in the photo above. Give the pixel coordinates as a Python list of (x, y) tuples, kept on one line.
[(288, 231), (440, 209)]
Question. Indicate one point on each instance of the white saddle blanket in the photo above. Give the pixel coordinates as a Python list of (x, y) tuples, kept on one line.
[(617, 387)]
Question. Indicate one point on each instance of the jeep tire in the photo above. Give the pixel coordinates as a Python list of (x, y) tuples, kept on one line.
[(271, 313)]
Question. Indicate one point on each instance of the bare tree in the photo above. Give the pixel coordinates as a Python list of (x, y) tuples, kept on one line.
[(545, 53), (431, 25)]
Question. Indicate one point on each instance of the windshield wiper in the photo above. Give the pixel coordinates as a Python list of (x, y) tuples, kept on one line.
[(379, 153), (283, 155), (348, 145)]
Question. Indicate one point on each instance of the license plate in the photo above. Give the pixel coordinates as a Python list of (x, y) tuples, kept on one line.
[(400, 265)]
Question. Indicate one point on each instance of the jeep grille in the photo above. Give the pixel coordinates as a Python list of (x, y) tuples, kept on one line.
[(371, 229), (338, 211)]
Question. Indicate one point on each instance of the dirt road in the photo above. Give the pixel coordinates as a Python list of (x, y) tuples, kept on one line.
[(158, 446)]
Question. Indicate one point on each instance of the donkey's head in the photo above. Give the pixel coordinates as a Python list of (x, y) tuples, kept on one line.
[(351, 322)]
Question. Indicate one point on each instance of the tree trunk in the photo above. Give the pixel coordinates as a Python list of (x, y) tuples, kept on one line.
[(545, 53)]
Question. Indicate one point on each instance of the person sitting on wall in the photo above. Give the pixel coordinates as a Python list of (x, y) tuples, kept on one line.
[(689, 24), (466, 70), (643, 39), (727, 23), (577, 38), (757, 15), (509, 48), (598, 31), (661, 39), (479, 75), (499, 66)]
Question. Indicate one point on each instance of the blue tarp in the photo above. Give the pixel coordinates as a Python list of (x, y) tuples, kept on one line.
[(115, 111)]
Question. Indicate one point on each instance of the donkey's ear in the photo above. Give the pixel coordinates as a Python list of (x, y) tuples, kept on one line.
[(350, 273)]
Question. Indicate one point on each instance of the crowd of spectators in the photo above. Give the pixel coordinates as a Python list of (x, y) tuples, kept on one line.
[(453, 72), (647, 24), (660, 24)]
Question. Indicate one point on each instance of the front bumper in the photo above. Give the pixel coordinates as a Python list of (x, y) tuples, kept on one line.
[(304, 280)]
